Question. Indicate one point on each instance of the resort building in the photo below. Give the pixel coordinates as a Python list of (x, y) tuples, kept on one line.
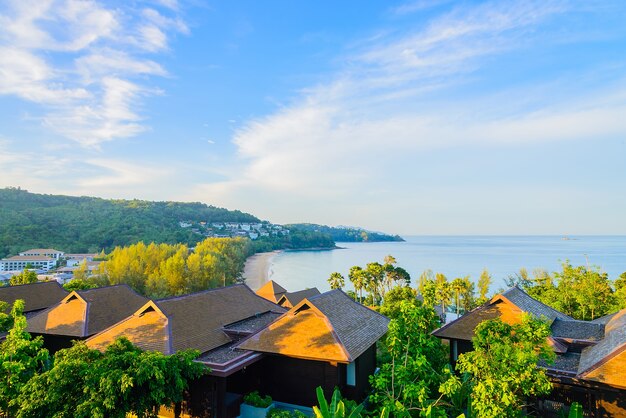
[(590, 365), (271, 291), (21, 262)]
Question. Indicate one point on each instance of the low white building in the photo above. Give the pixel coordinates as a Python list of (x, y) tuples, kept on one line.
[(43, 252), (20, 262)]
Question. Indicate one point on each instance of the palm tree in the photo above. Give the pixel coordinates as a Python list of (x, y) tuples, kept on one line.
[(358, 279), (458, 287), (336, 281), (442, 289)]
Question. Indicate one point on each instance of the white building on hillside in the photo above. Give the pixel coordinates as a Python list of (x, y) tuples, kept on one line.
[(20, 262)]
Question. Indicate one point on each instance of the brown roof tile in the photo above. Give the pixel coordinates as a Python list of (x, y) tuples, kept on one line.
[(329, 327), (291, 299), (36, 296), (194, 321), (87, 312)]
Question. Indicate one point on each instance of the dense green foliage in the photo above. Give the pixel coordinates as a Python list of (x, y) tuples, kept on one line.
[(283, 413), (21, 358), (255, 399), (337, 407), (25, 277), (412, 377), (377, 279), (336, 280), (345, 234), (122, 380), (504, 366), (295, 240), (582, 292), (89, 224), (159, 270)]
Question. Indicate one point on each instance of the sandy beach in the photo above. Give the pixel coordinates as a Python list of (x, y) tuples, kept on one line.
[(256, 270)]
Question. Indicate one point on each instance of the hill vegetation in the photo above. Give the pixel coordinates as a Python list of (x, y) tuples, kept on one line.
[(345, 234), (90, 224)]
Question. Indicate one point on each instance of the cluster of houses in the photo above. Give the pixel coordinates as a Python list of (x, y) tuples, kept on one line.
[(282, 344), (235, 229), (285, 344), (48, 263)]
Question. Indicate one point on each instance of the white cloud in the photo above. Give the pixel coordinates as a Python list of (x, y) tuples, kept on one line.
[(350, 138), (81, 61)]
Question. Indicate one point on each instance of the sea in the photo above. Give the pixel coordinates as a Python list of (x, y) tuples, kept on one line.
[(454, 256)]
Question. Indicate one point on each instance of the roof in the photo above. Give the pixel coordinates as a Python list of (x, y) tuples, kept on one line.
[(36, 296), (195, 321), (613, 343), (28, 258), (528, 304), (42, 250), (290, 299), (577, 330), (271, 291), (327, 327), (508, 306), (86, 312)]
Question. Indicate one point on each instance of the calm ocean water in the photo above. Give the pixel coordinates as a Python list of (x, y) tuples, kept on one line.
[(455, 256)]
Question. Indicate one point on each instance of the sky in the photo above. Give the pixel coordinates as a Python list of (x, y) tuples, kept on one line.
[(409, 117)]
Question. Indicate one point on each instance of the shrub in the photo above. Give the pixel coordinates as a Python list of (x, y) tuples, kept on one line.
[(254, 399)]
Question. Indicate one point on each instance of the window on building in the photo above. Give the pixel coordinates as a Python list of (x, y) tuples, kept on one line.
[(351, 374)]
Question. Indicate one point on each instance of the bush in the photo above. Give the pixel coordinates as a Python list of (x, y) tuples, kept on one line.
[(283, 413), (254, 399)]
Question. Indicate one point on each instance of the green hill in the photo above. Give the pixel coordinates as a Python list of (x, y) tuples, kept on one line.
[(346, 234), (89, 224)]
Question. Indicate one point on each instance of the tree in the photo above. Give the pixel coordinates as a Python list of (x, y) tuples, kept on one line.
[(21, 358), (337, 407), (82, 272), (375, 274), (336, 281), (504, 365), (484, 281), (458, 287), (122, 380), (25, 277), (358, 278), (409, 382), (394, 298), (443, 294)]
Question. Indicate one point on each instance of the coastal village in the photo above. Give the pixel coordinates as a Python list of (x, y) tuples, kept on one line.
[(286, 344)]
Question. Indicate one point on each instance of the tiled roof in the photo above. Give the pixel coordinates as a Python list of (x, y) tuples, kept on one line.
[(271, 291), (28, 258), (526, 303), (36, 296), (330, 327), (87, 312), (508, 306), (613, 342), (42, 250), (194, 321), (577, 330), (290, 299)]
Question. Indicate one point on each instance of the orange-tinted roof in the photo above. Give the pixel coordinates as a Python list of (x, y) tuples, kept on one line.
[(87, 312), (271, 291), (194, 321), (327, 327)]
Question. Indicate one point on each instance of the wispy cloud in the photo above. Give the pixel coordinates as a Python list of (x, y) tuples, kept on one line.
[(85, 62), (396, 98)]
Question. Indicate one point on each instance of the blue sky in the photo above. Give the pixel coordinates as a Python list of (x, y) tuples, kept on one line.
[(415, 117)]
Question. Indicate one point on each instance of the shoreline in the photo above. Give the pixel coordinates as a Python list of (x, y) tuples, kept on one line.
[(256, 271)]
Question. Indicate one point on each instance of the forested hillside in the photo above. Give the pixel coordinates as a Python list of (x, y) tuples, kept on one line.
[(346, 234), (89, 224)]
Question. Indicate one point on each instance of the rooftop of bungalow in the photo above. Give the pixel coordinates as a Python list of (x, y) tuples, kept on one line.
[(233, 327), (291, 299), (86, 312), (590, 351), (271, 291), (36, 296)]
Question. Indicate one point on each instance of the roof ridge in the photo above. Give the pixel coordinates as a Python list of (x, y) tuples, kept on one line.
[(536, 300), (204, 291)]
